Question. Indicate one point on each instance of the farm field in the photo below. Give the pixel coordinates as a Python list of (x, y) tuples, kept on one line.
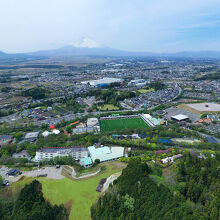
[(77, 195), (108, 107), (117, 124), (142, 91)]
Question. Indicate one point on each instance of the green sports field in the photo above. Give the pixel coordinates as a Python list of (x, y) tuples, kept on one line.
[(117, 124)]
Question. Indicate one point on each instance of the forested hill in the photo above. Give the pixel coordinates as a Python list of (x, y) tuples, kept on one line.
[(135, 196), (31, 205)]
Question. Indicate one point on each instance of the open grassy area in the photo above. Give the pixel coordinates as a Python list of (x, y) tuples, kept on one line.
[(108, 107), (185, 107), (77, 195), (142, 91), (117, 124), (184, 140)]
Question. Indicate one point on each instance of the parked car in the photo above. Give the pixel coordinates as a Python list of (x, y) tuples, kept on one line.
[(14, 172), (5, 183)]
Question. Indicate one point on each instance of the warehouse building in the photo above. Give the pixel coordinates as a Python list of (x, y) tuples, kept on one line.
[(105, 153), (31, 136), (102, 82), (179, 118)]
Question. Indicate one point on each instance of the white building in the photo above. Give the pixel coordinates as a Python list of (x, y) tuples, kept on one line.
[(179, 117), (102, 81), (171, 159), (106, 153), (50, 153), (31, 136), (92, 122)]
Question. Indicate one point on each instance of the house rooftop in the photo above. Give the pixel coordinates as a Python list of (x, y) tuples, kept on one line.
[(56, 149), (31, 135), (180, 117)]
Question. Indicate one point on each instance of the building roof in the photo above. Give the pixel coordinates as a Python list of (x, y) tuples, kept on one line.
[(102, 81), (86, 161), (99, 151), (204, 120), (163, 151), (31, 135), (22, 154), (56, 149), (180, 117), (92, 121), (106, 153), (5, 137)]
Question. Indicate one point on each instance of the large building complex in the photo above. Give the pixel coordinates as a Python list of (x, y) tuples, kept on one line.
[(52, 152), (102, 154), (102, 82)]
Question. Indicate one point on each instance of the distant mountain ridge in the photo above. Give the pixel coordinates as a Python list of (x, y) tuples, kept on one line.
[(71, 51)]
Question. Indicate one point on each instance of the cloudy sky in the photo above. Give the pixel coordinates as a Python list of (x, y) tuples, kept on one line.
[(133, 25)]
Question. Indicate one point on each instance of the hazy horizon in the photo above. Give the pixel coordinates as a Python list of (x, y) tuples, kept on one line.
[(143, 26)]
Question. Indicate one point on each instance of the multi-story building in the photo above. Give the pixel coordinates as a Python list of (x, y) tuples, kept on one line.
[(52, 152)]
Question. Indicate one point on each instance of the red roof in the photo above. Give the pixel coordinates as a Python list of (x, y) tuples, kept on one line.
[(163, 151), (52, 127)]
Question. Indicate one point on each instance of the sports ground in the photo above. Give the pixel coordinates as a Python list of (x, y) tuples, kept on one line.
[(122, 123)]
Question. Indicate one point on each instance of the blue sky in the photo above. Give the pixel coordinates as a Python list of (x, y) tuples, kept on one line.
[(133, 25)]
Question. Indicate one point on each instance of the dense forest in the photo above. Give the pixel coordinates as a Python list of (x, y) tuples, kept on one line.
[(31, 204), (212, 76), (136, 195), (35, 93)]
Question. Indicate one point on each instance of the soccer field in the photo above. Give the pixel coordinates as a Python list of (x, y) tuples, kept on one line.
[(117, 124)]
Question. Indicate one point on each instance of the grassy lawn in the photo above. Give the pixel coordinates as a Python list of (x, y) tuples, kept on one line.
[(158, 179), (116, 124), (142, 91), (77, 195), (108, 107)]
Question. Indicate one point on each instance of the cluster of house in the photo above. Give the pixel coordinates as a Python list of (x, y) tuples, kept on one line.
[(53, 130), (131, 137), (91, 126), (85, 156), (168, 159), (5, 139)]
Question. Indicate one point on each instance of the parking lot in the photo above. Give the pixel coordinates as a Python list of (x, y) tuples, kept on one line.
[(177, 111), (48, 172)]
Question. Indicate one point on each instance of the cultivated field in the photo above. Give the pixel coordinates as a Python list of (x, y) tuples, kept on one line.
[(108, 107), (117, 124), (145, 90)]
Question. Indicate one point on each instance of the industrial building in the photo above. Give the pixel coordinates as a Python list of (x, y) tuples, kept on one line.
[(31, 136), (152, 122), (89, 129), (92, 122), (103, 154), (137, 82), (102, 82), (52, 152), (179, 118)]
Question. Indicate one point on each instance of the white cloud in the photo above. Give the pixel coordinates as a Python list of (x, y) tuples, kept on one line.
[(86, 42)]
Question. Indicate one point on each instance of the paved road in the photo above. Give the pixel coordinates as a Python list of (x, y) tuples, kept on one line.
[(52, 173)]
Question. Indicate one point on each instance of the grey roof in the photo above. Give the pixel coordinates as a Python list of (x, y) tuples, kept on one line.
[(5, 137), (55, 149), (31, 135)]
